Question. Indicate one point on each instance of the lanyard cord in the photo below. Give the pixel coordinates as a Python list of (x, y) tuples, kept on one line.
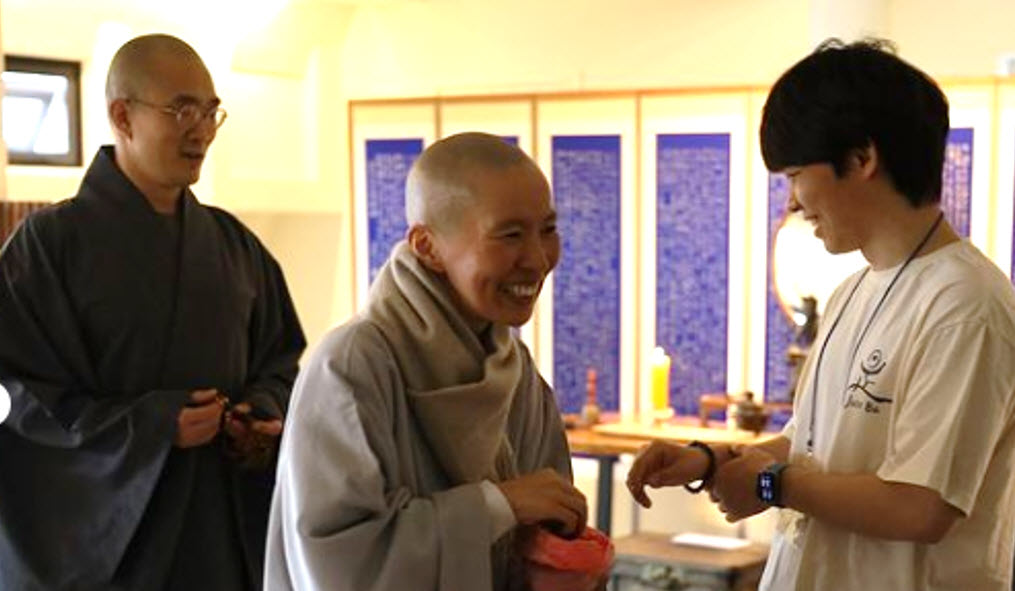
[(863, 333)]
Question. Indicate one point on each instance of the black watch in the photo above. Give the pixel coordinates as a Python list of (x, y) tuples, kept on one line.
[(770, 484)]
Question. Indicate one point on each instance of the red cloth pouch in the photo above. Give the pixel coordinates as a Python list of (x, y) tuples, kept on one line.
[(559, 564)]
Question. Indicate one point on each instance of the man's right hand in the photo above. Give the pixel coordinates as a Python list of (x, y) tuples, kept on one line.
[(661, 463), (200, 419), (546, 496)]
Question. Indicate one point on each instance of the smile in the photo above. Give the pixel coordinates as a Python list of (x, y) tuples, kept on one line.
[(523, 290)]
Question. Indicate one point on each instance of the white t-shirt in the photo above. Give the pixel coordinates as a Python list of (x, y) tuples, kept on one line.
[(928, 399)]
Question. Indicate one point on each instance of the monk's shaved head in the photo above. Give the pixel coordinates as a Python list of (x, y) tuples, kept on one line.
[(440, 184), (131, 71)]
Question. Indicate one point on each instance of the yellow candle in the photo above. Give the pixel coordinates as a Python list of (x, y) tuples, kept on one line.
[(660, 379)]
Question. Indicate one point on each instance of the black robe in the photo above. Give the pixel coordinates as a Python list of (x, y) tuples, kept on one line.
[(110, 314)]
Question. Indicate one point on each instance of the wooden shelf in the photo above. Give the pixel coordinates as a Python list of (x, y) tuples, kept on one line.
[(615, 438)]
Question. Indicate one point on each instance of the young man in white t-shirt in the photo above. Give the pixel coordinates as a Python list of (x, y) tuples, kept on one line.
[(895, 472)]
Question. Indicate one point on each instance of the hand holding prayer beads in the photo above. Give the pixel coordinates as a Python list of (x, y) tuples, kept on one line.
[(253, 434), (199, 421)]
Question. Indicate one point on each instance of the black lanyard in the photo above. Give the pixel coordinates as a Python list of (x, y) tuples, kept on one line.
[(863, 333)]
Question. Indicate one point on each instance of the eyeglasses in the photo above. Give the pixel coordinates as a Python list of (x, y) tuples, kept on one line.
[(189, 114)]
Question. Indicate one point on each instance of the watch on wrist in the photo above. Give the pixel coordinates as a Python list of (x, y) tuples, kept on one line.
[(770, 484)]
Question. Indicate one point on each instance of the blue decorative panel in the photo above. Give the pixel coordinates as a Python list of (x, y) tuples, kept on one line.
[(779, 331), (957, 179), (586, 285), (692, 262), (388, 163)]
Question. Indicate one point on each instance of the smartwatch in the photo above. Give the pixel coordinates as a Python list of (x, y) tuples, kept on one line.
[(770, 484)]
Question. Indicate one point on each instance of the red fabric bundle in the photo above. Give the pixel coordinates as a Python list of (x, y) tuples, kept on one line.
[(558, 564)]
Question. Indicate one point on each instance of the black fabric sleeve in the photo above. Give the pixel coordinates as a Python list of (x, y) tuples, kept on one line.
[(77, 466), (276, 341), (45, 364)]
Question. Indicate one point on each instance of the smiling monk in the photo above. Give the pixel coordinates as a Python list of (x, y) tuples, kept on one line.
[(421, 434)]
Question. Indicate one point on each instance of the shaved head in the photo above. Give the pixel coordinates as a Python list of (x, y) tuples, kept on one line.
[(441, 183), (131, 71), (481, 219)]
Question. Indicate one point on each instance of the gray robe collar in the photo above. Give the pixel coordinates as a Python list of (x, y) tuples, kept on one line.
[(460, 393)]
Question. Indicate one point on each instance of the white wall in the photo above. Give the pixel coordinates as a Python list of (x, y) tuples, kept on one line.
[(951, 38), (304, 246), (464, 47)]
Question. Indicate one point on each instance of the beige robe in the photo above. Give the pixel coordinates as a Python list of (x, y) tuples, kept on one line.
[(370, 494)]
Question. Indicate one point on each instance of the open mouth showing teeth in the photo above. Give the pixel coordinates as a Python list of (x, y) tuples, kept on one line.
[(523, 291)]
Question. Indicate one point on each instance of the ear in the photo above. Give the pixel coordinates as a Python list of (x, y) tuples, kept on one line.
[(119, 117), (423, 243), (866, 160)]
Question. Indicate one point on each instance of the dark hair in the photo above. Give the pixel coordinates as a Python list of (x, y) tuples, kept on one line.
[(846, 97)]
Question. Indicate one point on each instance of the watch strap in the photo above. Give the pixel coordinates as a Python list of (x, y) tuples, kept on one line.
[(706, 478)]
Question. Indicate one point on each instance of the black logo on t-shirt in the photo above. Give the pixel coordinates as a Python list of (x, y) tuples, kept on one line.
[(864, 383)]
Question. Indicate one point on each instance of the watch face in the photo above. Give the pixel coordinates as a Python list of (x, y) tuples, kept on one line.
[(765, 486)]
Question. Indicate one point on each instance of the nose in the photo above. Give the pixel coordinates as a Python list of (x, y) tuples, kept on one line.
[(205, 129), (792, 204), (537, 255)]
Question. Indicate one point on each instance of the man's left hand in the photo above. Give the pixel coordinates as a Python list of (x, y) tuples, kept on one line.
[(735, 488), (251, 441)]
